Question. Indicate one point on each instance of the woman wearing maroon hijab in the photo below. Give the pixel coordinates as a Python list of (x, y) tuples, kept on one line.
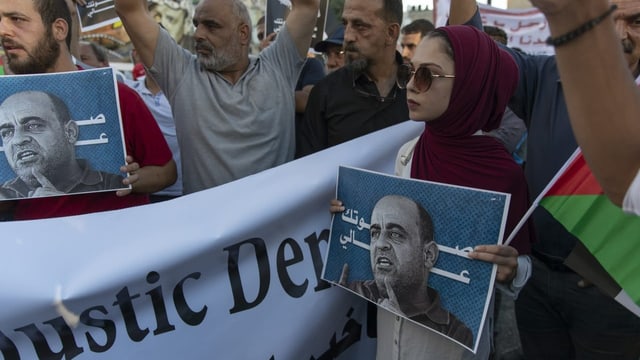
[(458, 111), (459, 83)]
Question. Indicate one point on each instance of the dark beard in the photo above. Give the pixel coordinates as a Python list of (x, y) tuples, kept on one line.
[(44, 57), (627, 46), (358, 65)]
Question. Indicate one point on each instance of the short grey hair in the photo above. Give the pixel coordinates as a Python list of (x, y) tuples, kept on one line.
[(241, 12)]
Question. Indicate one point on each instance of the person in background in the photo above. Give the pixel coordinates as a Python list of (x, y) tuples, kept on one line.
[(512, 131), (311, 72), (411, 36), (361, 97), (332, 50), (496, 34), (605, 123), (174, 15), (38, 41), (95, 55), (222, 98), (458, 83), (160, 108), (559, 314)]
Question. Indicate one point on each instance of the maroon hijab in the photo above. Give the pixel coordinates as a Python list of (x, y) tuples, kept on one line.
[(447, 150)]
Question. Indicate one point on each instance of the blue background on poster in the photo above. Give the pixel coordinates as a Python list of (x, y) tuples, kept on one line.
[(87, 94), (462, 218)]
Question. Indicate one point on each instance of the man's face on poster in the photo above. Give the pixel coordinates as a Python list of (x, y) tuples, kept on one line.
[(397, 256), (33, 137), (173, 19)]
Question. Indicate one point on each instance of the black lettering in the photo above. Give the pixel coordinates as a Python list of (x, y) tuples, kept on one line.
[(282, 263), (187, 315), (106, 325), (240, 301), (69, 347), (8, 348), (159, 308), (129, 315), (316, 256)]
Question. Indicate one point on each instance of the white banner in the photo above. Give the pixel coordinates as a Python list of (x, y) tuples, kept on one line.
[(228, 273), (527, 29)]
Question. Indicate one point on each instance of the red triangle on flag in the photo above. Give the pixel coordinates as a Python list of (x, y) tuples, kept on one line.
[(576, 180)]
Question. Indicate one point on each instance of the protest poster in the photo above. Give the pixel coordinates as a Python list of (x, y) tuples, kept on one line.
[(461, 219), (96, 14), (59, 126), (527, 29)]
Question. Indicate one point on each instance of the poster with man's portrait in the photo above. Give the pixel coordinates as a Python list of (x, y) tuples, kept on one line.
[(61, 134), (403, 244)]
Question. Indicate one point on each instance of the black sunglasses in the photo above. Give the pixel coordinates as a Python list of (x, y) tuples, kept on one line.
[(422, 77)]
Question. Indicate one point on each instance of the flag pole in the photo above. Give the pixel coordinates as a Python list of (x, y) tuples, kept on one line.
[(544, 192)]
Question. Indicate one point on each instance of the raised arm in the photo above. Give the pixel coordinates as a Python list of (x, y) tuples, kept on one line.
[(602, 98), (141, 27), (461, 11), (301, 22)]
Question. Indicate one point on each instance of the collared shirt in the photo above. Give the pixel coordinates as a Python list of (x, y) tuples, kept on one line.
[(346, 105), (228, 131), (91, 181), (400, 341)]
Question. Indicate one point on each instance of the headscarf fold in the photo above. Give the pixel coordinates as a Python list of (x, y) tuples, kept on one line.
[(449, 152)]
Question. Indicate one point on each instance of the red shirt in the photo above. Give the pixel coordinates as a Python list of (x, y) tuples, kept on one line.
[(143, 141)]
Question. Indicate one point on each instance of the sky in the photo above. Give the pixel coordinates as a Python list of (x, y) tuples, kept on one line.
[(497, 3)]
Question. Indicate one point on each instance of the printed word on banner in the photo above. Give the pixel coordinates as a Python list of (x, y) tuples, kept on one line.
[(527, 29)]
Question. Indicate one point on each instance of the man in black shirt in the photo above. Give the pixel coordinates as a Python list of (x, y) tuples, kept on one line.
[(362, 97)]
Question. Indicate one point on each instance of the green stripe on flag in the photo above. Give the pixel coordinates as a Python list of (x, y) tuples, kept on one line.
[(610, 235)]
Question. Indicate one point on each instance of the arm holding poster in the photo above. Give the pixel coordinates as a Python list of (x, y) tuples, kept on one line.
[(506, 257), (448, 152), (147, 179), (414, 263)]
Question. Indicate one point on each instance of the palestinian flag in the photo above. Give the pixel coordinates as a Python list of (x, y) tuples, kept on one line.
[(577, 201), (609, 252)]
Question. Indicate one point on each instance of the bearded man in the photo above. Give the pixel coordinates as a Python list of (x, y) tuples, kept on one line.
[(234, 113)]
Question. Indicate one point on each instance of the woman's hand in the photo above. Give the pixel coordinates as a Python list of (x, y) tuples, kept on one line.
[(336, 206), (506, 257)]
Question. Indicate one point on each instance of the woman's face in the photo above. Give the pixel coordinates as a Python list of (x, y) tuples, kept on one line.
[(431, 104)]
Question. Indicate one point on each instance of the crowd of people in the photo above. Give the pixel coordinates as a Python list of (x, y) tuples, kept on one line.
[(196, 119)]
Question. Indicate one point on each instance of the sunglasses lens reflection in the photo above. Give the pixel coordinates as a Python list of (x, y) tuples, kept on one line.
[(421, 77)]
